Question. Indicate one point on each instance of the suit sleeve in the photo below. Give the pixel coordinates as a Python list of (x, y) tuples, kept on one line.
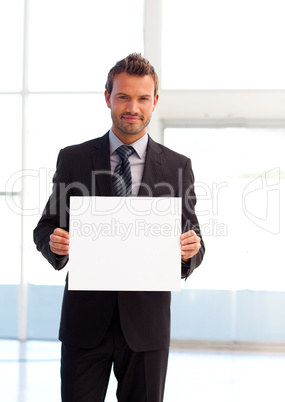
[(189, 218), (55, 215)]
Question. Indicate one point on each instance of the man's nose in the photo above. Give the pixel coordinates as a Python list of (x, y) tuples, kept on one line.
[(132, 107)]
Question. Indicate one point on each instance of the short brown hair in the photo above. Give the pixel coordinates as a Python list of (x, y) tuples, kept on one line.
[(133, 64)]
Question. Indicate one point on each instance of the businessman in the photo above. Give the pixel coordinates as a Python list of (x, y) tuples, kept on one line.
[(129, 330)]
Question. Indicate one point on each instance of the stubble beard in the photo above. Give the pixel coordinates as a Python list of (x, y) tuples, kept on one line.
[(130, 128)]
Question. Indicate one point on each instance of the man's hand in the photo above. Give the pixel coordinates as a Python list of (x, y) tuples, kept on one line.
[(59, 242), (190, 245)]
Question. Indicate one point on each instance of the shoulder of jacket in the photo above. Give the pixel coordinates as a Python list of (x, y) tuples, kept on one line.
[(85, 146), (169, 153)]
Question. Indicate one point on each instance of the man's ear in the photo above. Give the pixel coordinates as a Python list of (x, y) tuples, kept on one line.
[(107, 99), (155, 102)]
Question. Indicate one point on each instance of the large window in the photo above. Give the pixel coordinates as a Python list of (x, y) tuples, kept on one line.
[(55, 55), (240, 186), (11, 74), (11, 45), (223, 44), (72, 44), (53, 72), (62, 119)]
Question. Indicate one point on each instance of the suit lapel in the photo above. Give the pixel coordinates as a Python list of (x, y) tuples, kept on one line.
[(100, 158), (152, 170)]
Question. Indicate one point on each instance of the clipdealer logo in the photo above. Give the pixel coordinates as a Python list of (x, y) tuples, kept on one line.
[(260, 199)]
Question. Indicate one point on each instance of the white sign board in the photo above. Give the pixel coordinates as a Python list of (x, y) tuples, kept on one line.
[(125, 243)]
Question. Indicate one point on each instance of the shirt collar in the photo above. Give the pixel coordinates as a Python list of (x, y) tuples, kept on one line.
[(139, 145)]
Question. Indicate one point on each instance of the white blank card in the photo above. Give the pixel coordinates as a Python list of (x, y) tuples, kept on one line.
[(125, 243)]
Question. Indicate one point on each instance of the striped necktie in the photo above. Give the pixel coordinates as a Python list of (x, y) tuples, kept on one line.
[(122, 178)]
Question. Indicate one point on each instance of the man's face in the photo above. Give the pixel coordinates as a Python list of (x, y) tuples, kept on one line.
[(131, 102)]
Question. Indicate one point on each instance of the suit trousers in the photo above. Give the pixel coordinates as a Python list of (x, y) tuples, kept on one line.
[(85, 372)]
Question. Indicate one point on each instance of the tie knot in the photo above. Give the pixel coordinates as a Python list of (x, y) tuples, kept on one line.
[(125, 151)]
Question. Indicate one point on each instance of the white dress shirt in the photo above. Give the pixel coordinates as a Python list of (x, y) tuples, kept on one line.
[(137, 159)]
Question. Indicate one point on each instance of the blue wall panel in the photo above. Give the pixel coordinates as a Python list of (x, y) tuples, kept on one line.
[(260, 316), (202, 314), (44, 308), (217, 315), (9, 311)]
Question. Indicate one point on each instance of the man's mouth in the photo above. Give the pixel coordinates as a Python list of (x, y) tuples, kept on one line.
[(131, 119)]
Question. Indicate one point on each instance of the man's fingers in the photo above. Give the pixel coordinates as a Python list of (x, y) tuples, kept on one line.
[(58, 248), (59, 239), (59, 242), (61, 232), (189, 237), (190, 244), (185, 235), (189, 248), (60, 236), (191, 240)]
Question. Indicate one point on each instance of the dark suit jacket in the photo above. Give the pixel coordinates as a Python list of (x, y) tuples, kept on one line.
[(145, 316)]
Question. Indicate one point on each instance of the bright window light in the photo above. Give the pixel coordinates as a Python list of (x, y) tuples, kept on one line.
[(223, 44), (240, 187), (11, 140), (73, 44), (11, 45), (10, 250), (63, 119)]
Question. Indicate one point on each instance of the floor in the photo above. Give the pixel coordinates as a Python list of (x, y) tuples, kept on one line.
[(29, 372)]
